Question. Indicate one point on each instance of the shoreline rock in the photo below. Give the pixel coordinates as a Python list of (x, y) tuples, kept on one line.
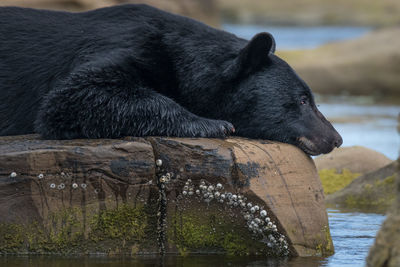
[(112, 197), (371, 192), (385, 251), (356, 159), (367, 66)]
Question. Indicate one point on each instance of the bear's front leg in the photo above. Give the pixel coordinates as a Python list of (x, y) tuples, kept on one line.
[(100, 103)]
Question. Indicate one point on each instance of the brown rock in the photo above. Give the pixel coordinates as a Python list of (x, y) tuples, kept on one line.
[(386, 250), (356, 159), (108, 196), (374, 191)]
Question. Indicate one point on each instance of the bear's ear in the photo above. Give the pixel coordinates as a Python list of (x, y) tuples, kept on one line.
[(253, 55), (257, 50)]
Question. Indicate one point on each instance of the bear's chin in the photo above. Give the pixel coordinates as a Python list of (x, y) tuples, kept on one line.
[(309, 147)]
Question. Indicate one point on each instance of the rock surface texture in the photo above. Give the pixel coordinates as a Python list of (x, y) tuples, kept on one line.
[(374, 191), (356, 159), (146, 195), (386, 250)]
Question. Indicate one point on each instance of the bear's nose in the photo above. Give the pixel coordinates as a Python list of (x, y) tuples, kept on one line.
[(338, 141)]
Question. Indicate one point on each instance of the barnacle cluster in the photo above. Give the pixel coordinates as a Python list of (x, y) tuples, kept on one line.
[(257, 220)]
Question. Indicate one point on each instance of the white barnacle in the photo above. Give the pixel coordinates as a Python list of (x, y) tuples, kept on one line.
[(184, 193), (189, 180), (210, 188), (249, 205), (235, 204), (269, 224), (205, 195), (234, 197), (186, 187), (223, 196), (257, 220), (74, 185), (197, 192), (159, 162), (83, 186), (256, 207), (221, 201), (263, 213), (243, 205), (219, 186), (40, 176), (13, 175), (190, 193), (267, 219), (52, 185), (163, 179), (252, 210), (217, 194)]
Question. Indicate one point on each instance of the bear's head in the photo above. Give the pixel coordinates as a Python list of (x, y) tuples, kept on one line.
[(270, 101)]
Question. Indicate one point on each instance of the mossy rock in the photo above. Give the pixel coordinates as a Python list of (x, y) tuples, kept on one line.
[(65, 232), (375, 191), (112, 197), (386, 249), (333, 181), (354, 159)]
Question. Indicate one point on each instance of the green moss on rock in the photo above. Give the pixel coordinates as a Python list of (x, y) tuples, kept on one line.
[(194, 233), (11, 237), (112, 231), (378, 195), (124, 223), (332, 181)]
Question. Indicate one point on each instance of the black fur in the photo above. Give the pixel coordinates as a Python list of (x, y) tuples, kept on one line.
[(136, 70)]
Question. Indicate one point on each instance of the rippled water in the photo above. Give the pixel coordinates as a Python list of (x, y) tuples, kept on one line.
[(352, 234)]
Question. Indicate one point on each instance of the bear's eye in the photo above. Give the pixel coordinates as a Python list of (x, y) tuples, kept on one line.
[(303, 100)]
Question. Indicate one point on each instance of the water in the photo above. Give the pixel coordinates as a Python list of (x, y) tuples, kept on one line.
[(352, 234), (288, 38), (372, 126)]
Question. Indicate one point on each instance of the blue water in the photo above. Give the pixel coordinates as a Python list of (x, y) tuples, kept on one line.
[(372, 126), (352, 234), (288, 38)]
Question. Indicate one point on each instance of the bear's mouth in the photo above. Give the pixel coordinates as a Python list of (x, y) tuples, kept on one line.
[(307, 146)]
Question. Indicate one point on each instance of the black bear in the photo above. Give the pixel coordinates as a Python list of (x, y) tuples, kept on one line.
[(139, 71)]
